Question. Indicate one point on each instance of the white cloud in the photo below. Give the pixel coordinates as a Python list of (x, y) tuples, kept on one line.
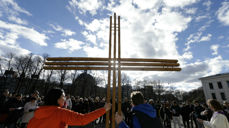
[(197, 37), (149, 34), (220, 37), (65, 32), (6, 48), (95, 51), (206, 38), (172, 21), (79, 20), (10, 38), (191, 10), (152, 34), (97, 32), (216, 65), (17, 20), (1, 35), (96, 25), (90, 37), (68, 32), (207, 4), (70, 44), (223, 13), (215, 49), (28, 33), (84, 6), (11, 7), (187, 56), (179, 3), (199, 18), (146, 4), (188, 78)]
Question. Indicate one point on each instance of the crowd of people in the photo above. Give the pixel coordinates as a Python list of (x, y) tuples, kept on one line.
[(21, 111)]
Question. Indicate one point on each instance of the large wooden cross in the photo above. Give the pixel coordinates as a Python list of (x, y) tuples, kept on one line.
[(112, 64)]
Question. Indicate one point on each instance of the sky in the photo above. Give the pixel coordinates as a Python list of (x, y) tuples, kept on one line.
[(193, 31)]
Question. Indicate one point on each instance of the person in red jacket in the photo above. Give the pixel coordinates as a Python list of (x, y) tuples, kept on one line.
[(52, 115)]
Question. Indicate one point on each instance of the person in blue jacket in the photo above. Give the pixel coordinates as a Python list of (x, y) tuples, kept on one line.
[(143, 115)]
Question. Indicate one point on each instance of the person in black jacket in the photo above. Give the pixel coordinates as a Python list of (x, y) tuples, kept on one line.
[(176, 114), (15, 110), (3, 110), (186, 109), (197, 110), (144, 115), (126, 108)]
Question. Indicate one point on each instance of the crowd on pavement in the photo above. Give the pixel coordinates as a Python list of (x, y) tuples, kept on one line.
[(21, 111)]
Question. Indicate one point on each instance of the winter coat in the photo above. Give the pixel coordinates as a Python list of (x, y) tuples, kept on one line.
[(57, 117), (29, 109), (218, 120), (144, 116)]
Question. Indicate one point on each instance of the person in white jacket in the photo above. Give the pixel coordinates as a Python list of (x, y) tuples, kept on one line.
[(29, 109), (218, 119)]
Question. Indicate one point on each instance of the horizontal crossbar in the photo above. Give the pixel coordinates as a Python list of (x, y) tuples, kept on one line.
[(107, 59), (107, 63), (107, 68)]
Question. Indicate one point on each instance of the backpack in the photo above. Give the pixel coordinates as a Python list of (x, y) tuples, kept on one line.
[(145, 121)]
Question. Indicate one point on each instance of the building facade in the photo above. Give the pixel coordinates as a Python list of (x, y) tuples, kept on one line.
[(216, 87)]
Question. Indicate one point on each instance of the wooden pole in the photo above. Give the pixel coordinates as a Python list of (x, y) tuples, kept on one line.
[(106, 59), (107, 68), (109, 76), (119, 70), (107, 63), (114, 75)]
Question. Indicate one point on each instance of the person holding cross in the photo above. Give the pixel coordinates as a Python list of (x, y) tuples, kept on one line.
[(53, 115), (143, 115)]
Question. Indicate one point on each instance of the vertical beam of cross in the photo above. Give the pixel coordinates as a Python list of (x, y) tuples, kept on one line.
[(109, 74), (119, 69), (114, 76)]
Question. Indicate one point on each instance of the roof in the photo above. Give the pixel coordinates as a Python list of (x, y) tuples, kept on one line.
[(217, 75)]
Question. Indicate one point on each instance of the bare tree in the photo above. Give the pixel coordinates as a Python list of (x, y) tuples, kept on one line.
[(158, 88), (62, 77), (1, 66), (10, 57), (99, 80), (23, 65), (125, 79), (73, 76)]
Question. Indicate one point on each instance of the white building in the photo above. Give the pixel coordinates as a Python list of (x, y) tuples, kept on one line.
[(216, 87)]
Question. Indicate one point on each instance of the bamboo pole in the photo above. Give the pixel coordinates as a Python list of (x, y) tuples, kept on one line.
[(107, 63), (119, 70), (76, 63), (77, 59), (149, 60), (106, 59), (109, 76), (114, 76), (107, 68)]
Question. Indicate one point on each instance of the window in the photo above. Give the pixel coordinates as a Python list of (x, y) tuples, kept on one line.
[(220, 85), (213, 96), (211, 86), (223, 96), (228, 84)]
